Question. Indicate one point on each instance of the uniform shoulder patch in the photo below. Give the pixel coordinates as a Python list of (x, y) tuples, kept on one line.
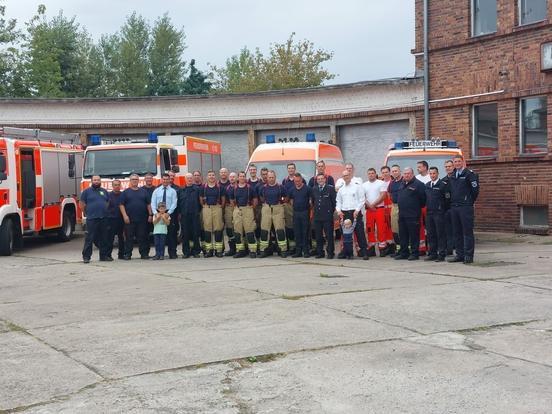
[(474, 184)]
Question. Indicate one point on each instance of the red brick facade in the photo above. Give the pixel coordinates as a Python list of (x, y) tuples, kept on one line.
[(502, 68)]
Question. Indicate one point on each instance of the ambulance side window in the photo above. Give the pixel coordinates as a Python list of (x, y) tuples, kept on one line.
[(3, 166), (174, 161), (71, 170), (165, 160)]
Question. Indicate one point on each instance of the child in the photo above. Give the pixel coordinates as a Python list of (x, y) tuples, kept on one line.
[(160, 223), (347, 229)]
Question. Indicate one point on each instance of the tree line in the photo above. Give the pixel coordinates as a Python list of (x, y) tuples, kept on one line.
[(56, 58)]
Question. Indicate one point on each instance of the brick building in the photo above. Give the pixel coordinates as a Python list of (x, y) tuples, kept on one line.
[(490, 88)]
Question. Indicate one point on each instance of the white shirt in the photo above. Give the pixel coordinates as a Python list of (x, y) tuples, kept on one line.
[(373, 190), (350, 197), (423, 178), (341, 182), (433, 183)]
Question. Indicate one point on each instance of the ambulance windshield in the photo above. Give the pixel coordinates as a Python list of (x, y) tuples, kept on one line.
[(120, 162), (306, 168), (411, 161)]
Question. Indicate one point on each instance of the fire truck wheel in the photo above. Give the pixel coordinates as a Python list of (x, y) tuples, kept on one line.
[(7, 241), (65, 233)]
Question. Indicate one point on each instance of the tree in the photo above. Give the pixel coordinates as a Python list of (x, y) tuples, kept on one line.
[(197, 82), (292, 64), (133, 62), (9, 54), (165, 57)]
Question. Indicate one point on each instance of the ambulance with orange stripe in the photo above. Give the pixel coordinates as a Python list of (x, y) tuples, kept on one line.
[(181, 154), (40, 173)]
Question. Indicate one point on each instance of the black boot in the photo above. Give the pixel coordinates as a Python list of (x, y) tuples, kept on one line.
[(232, 250)]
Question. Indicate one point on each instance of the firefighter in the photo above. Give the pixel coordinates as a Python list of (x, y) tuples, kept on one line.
[(116, 225), (320, 169), (253, 180), (388, 202), (273, 196), (288, 184), (225, 184), (167, 194), (393, 190), (449, 168), (189, 208), (260, 182), (374, 194), (323, 201), (300, 197), (198, 183), (437, 203), (244, 199), (148, 184), (411, 200), (464, 189), (212, 199), (93, 203)]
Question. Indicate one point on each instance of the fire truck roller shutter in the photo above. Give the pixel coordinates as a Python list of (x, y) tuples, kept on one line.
[(366, 145)]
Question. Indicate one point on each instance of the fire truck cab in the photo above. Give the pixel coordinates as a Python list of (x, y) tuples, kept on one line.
[(120, 158), (39, 185)]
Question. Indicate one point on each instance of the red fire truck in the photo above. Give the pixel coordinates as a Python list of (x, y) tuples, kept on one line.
[(40, 173)]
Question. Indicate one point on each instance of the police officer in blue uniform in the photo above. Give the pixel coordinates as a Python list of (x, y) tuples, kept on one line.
[(189, 208), (93, 203), (323, 202), (437, 203), (300, 196), (464, 189), (411, 200)]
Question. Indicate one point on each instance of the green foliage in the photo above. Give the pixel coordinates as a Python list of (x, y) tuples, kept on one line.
[(292, 64), (134, 65), (9, 55), (197, 82)]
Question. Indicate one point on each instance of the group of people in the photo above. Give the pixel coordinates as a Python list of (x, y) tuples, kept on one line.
[(256, 215)]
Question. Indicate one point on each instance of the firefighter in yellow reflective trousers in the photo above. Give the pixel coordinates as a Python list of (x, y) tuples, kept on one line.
[(243, 198), (273, 196), (213, 199)]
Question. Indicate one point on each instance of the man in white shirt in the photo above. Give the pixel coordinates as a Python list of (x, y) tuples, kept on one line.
[(349, 203), (355, 180), (375, 192), (423, 172)]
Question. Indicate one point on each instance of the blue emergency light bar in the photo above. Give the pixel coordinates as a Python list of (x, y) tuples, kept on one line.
[(310, 137), (152, 138), (95, 139), (424, 144), (270, 139)]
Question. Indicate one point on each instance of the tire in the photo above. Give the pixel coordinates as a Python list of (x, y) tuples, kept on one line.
[(7, 238), (65, 233)]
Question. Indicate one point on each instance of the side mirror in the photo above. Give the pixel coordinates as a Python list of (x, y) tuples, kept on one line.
[(175, 168)]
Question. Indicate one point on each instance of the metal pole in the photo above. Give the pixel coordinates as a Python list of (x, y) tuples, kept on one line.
[(426, 71)]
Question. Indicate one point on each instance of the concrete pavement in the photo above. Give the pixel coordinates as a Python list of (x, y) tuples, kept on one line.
[(277, 335)]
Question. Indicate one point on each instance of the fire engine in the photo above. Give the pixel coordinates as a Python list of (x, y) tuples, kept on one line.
[(40, 172), (119, 158)]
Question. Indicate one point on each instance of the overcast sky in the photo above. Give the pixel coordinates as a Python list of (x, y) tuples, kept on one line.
[(371, 39)]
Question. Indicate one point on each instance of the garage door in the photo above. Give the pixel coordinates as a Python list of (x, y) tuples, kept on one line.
[(366, 145), (235, 150)]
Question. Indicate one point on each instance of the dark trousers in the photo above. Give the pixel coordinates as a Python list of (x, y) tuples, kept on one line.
[(138, 230), (348, 248), (301, 230), (462, 223), (409, 234), (172, 234), (449, 230), (159, 243), (96, 231), (322, 228), (116, 227), (189, 232), (436, 234), (359, 231)]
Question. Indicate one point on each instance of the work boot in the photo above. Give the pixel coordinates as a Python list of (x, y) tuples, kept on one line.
[(209, 253), (283, 255), (219, 254), (252, 255), (240, 254), (232, 250), (468, 260), (456, 259), (371, 251), (431, 258)]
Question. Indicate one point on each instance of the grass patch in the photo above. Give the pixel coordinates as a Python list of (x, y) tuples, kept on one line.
[(292, 297), (14, 328)]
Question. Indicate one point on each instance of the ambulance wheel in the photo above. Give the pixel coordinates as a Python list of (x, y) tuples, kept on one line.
[(7, 241), (65, 233)]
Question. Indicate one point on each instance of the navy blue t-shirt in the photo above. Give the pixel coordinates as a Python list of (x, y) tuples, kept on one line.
[(212, 194), (136, 203), (272, 194), (300, 197), (113, 210), (96, 202), (243, 196), (329, 181)]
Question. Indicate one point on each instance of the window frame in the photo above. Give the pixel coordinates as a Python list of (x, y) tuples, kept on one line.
[(473, 34), (520, 22), (533, 226), (522, 128), (474, 151)]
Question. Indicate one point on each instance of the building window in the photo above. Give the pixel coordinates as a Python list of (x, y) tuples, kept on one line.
[(485, 130), (534, 134), (531, 11), (534, 216), (483, 17)]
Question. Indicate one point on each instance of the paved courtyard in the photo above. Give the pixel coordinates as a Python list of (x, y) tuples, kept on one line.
[(277, 335)]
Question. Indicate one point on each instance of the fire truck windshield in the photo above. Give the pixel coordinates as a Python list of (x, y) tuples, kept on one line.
[(411, 161), (120, 162), (306, 168)]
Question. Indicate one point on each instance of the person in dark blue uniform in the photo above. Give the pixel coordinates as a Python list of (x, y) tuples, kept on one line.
[(437, 203), (320, 169), (300, 197), (411, 200), (274, 197), (189, 208), (449, 168), (93, 203), (464, 189), (116, 225), (289, 183), (323, 202)]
